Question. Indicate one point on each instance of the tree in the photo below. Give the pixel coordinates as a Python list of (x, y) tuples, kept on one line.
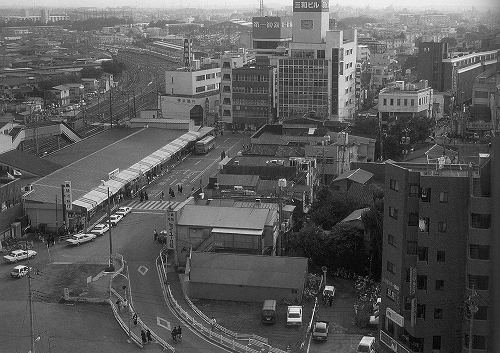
[(346, 249), (114, 67), (90, 72)]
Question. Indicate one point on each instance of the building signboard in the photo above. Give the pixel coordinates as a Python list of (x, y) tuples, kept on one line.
[(188, 49), (67, 195), (395, 317), (311, 6), (413, 280), (413, 312), (268, 27), (171, 229)]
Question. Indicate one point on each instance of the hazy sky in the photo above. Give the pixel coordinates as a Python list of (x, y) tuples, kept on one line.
[(449, 4)]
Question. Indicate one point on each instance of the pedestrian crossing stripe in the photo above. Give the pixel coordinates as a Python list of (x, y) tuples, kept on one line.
[(152, 205)]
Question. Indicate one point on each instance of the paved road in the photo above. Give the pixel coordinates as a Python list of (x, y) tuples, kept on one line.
[(96, 330)]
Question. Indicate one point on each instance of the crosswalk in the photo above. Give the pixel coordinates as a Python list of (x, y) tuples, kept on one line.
[(152, 205)]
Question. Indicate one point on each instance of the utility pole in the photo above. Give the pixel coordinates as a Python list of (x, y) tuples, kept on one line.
[(30, 298), (110, 110), (111, 267), (135, 111)]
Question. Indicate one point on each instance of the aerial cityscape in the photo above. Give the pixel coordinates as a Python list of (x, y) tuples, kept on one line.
[(268, 176)]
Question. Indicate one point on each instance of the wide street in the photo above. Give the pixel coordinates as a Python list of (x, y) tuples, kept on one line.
[(92, 328)]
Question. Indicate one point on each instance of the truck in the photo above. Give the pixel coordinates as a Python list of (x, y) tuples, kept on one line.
[(320, 330)]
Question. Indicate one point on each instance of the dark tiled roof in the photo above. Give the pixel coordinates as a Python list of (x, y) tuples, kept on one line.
[(26, 162)]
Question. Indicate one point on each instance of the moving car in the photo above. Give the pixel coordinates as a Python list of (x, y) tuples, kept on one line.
[(115, 218), (18, 255), (294, 315), (123, 211), (320, 330), (329, 291), (268, 315), (19, 271), (100, 229), (80, 238)]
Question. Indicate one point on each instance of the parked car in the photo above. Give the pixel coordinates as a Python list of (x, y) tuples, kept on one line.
[(18, 255), (100, 229), (123, 211), (294, 315), (115, 218), (268, 314), (80, 238), (320, 330), (366, 345), (329, 291), (19, 271)]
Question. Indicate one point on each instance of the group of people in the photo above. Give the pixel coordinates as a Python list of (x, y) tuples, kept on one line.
[(143, 195), (146, 336), (177, 333)]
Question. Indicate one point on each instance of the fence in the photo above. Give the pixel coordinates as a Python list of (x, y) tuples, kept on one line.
[(207, 332)]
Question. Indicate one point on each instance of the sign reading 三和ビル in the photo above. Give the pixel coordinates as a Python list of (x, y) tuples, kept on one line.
[(311, 6)]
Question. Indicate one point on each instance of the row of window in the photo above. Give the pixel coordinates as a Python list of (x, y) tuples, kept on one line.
[(211, 87), (348, 78), (207, 76), (249, 89), (348, 65), (251, 78)]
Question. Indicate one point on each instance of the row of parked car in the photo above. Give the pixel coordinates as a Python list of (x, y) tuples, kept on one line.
[(100, 229)]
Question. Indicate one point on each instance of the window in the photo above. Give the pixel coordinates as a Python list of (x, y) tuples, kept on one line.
[(423, 253), (385, 101), (420, 311), (226, 77), (393, 183), (226, 64), (481, 221), (443, 197), (479, 252), (226, 101), (413, 219), (226, 112), (200, 78), (211, 87), (411, 247), (436, 340), (200, 89), (482, 313), (407, 278), (390, 240), (390, 267), (398, 102), (478, 282), (422, 282), (414, 189), (405, 102), (320, 54), (392, 101), (226, 89), (412, 102), (306, 24), (440, 257), (393, 212), (439, 284), (478, 342), (438, 313), (442, 226)]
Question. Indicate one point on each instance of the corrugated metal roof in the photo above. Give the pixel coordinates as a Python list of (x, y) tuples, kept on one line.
[(358, 175), (223, 217), (248, 270)]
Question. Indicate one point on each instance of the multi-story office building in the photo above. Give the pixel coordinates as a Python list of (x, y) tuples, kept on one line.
[(192, 94), (440, 255), (453, 72), (406, 99), (230, 61), (271, 34), (253, 96), (319, 73), (381, 71)]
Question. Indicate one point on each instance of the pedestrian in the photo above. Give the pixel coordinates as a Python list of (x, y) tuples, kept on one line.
[(213, 322), (174, 333), (179, 332), (148, 335), (155, 235), (330, 300), (119, 304), (162, 195), (146, 196), (180, 189), (143, 336), (134, 319)]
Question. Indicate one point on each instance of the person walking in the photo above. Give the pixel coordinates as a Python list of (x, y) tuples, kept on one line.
[(162, 195), (180, 188), (179, 332), (134, 319), (143, 337), (213, 322), (174, 334), (148, 336)]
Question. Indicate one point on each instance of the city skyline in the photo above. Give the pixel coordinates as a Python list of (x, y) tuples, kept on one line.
[(448, 5)]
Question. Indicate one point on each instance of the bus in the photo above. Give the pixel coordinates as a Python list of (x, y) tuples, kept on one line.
[(204, 145)]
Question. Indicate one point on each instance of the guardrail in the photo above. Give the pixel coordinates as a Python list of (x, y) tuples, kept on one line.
[(199, 327)]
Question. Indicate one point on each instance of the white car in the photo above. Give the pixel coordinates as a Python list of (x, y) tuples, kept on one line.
[(18, 255), (123, 211), (115, 218), (100, 229), (80, 238), (294, 315), (329, 291), (19, 271)]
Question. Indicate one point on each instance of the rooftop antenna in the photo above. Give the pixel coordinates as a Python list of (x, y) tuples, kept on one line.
[(261, 8)]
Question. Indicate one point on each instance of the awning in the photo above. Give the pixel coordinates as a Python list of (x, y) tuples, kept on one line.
[(83, 204), (126, 176), (237, 231)]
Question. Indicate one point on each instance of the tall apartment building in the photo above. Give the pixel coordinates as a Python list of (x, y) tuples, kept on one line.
[(441, 256), (319, 73), (430, 63), (230, 61)]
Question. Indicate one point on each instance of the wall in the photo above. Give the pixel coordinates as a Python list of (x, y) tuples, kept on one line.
[(240, 293)]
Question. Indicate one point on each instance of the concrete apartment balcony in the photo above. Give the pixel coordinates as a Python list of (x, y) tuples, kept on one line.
[(396, 344)]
